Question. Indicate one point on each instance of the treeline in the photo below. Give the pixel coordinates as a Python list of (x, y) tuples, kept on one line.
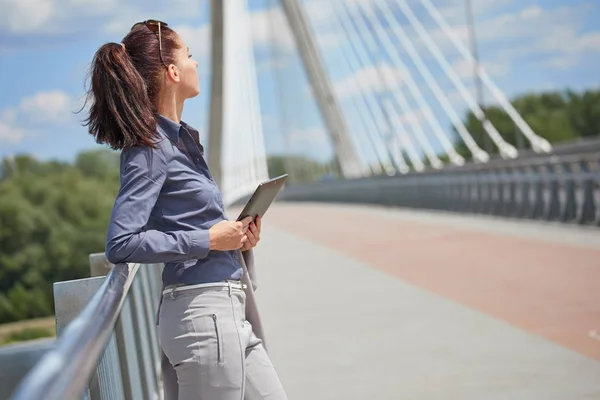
[(301, 169), (557, 116), (54, 214)]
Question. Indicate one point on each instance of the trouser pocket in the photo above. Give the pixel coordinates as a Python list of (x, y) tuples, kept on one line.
[(202, 337), (215, 318)]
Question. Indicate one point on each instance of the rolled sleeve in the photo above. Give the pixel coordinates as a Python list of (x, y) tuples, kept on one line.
[(143, 173)]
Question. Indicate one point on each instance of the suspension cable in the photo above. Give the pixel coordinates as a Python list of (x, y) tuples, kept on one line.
[(538, 143), (478, 154), (399, 99), (379, 116), (392, 54), (398, 133), (506, 149)]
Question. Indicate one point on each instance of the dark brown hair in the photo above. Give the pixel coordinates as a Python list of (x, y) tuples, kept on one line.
[(125, 83)]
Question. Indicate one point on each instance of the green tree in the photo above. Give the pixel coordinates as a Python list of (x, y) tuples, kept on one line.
[(300, 169), (52, 215), (101, 164), (584, 112), (556, 116)]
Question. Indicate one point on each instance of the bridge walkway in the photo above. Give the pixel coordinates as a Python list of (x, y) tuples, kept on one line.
[(369, 302)]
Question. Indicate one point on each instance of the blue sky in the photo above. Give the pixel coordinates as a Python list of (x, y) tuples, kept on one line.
[(46, 47)]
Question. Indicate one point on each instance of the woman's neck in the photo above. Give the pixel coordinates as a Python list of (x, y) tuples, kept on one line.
[(169, 107)]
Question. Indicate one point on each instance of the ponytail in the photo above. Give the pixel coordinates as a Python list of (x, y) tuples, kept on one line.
[(121, 113)]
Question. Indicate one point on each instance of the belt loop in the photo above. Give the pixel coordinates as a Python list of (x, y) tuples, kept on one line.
[(229, 285), (172, 294)]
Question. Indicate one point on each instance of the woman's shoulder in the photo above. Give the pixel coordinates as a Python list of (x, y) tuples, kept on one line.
[(145, 156)]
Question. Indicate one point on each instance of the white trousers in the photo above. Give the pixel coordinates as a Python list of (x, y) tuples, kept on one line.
[(211, 352)]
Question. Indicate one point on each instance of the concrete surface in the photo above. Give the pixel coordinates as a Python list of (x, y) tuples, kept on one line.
[(17, 359), (374, 303)]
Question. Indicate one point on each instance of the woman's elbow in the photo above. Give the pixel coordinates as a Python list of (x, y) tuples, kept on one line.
[(116, 252)]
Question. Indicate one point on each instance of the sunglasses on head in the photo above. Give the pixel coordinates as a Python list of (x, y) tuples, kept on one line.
[(149, 23)]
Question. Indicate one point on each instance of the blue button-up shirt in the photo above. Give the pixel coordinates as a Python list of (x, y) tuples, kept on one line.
[(166, 203)]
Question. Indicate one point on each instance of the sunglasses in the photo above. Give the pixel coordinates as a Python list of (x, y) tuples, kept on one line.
[(149, 23)]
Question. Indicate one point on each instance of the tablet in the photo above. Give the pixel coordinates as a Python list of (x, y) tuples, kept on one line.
[(262, 197)]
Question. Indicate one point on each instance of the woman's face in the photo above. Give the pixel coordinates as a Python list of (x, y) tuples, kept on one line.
[(189, 84)]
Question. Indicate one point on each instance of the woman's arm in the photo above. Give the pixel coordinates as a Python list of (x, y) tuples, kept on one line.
[(143, 172)]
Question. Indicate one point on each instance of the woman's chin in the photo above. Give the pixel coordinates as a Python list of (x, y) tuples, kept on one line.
[(195, 92)]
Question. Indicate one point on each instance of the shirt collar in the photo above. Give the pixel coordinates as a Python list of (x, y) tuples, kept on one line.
[(169, 128), (172, 129)]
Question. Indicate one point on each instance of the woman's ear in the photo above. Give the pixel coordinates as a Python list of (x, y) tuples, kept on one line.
[(174, 73)]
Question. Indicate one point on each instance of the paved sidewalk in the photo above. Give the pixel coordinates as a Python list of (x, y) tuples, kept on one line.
[(372, 303)]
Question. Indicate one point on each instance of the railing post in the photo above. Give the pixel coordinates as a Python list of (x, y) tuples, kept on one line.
[(568, 186), (100, 266), (585, 207), (596, 187), (553, 206), (485, 192), (70, 298), (527, 193), (135, 335)]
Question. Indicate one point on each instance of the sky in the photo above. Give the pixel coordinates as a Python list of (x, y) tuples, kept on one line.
[(524, 45)]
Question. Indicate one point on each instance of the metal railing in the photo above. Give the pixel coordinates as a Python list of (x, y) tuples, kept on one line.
[(107, 346), (562, 188)]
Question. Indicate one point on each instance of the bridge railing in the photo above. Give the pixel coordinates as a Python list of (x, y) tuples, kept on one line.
[(107, 346), (562, 188)]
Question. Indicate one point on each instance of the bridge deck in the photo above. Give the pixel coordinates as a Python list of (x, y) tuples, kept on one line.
[(365, 302)]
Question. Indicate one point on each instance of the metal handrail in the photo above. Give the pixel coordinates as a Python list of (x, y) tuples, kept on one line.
[(64, 372), (561, 188)]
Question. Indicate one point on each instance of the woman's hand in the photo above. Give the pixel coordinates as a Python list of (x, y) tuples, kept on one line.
[(229, 235), (252, 235)]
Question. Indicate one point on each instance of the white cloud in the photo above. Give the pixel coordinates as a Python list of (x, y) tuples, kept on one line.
[(70, 17), (8, 115), (268, 64), (454, 11), (21, 16), (314, 136), (197, 38), (568, 49), (11, 133), (370, 79), (47, 107), (54, 16), (329, 39), (64, 18), (320, 12), (531, 12), (552, 35), (465, 68), (409, 119), (40, 109), (270, 27)]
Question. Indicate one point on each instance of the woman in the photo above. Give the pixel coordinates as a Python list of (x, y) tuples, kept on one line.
[(169, 210)]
